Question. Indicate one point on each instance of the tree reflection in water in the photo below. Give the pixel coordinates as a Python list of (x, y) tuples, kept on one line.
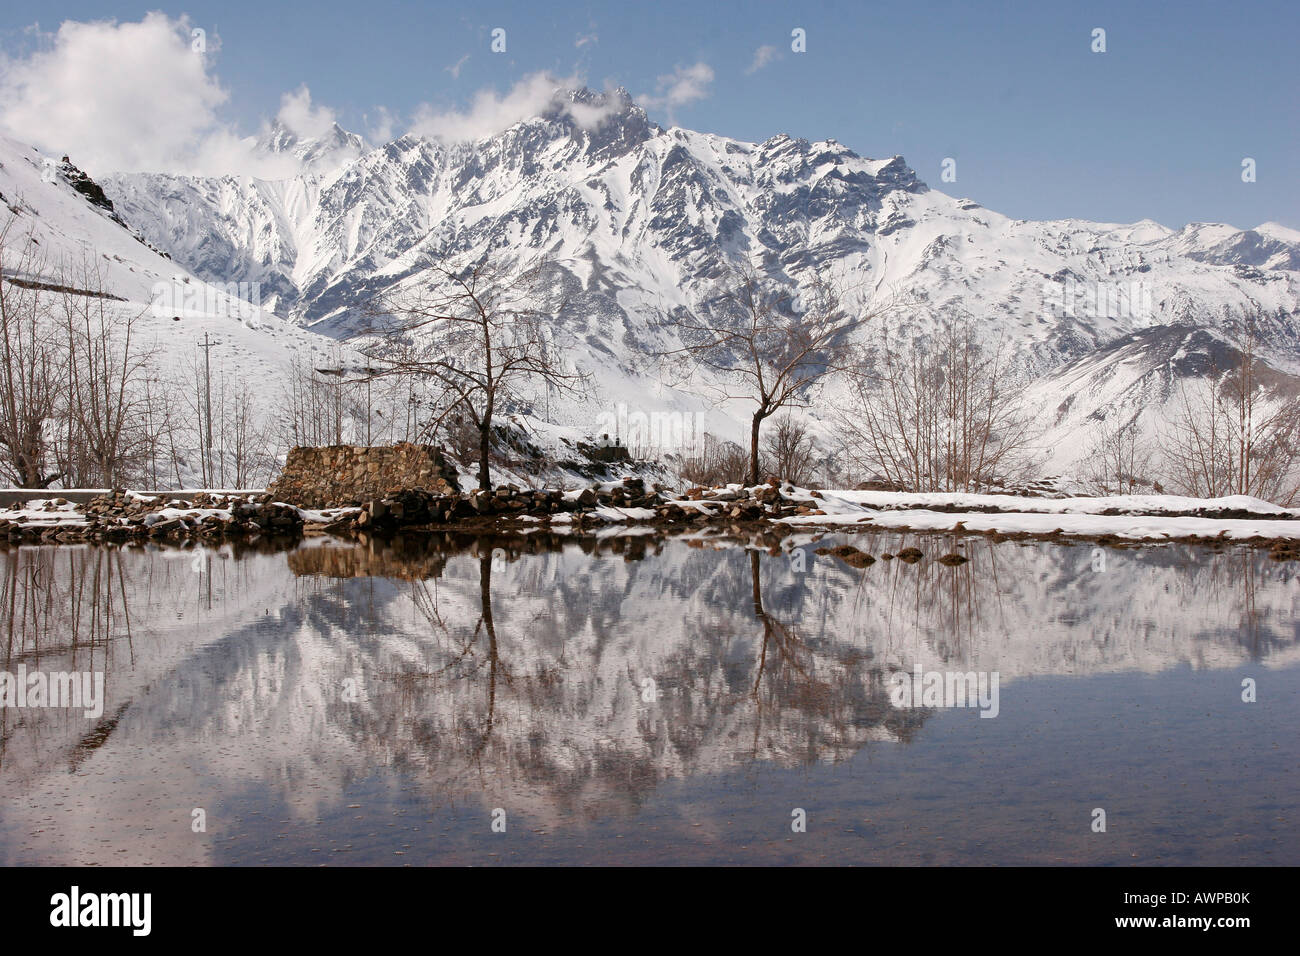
[(520, 679)]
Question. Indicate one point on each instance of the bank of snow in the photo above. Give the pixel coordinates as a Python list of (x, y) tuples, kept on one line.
[(1124, 504), (1130, 517)]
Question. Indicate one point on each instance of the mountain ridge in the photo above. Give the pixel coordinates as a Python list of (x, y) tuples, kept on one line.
[(640, 219)]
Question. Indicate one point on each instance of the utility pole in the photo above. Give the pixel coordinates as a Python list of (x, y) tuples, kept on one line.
[(207, 404), (546, 382), (370, 374)]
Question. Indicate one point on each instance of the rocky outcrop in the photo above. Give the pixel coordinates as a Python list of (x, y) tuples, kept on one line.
[(340, 475), (83, 184)]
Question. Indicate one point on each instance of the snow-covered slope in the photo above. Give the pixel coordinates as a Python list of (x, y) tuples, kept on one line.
[(1139, 381), (80, 237)]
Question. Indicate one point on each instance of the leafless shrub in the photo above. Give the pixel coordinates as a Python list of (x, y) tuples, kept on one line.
[(716, 463), (791, 451), (1117, 461), (938, 416)]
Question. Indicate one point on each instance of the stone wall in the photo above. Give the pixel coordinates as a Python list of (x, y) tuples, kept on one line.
[(353, 474)]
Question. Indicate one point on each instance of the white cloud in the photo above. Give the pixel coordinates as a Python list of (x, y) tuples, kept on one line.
[(585, 38), (112, 96), (305, 119), (762, 57), (491, 112), (132, 97), (135, 97), (380, 129), (138, 97), (589, 116), (686, 84)]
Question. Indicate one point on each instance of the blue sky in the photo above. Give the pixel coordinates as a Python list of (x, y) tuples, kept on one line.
[(1038, 124)]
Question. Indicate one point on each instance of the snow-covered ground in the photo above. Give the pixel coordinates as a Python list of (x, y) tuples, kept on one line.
[(1133, 517), (1131, 527), (1129, 517), (1140, 517), (1133, 504)]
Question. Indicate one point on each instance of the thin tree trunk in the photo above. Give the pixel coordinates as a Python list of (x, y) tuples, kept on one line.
[(484, 447)]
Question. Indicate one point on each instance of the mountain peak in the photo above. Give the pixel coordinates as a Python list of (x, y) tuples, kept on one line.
[(331, 148), (611, 120)]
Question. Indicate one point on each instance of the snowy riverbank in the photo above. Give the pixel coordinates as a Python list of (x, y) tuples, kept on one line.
[(125, 516)]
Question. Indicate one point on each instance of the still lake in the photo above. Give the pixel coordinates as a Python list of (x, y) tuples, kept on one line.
[(636, 699)]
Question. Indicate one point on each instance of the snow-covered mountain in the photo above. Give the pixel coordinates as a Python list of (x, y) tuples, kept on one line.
[(641, 218)]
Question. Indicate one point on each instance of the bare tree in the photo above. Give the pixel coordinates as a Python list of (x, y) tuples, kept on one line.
[(759, 345), (30, 371), (312, 405), (81, 399), (1238, 431), (182, 428), (476, 331), (936, 416), (108, 442), (244, 440)]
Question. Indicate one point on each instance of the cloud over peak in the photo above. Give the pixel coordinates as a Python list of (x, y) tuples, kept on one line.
[(145, 97), (490, 112), (685, 84)]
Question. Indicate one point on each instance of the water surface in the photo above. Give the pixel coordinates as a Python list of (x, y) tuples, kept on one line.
[(644, 700)]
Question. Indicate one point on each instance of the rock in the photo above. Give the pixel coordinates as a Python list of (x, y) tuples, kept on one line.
[(1285, 551), (850, 555), (878, 485)]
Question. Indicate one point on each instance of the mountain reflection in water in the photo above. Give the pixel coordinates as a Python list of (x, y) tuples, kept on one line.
[(631, 698)]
